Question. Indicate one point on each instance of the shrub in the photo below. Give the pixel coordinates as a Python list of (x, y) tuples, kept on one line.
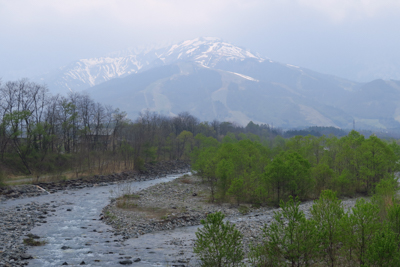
[(2, 178), (327, 212), (363, 223), (218, 244), (291, 238), (139, 164), (32, 240), (383, 249)]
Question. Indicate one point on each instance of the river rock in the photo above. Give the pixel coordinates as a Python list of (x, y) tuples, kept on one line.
[(126, 262)]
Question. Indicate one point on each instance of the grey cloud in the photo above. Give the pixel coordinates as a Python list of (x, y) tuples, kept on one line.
[(352, 39)]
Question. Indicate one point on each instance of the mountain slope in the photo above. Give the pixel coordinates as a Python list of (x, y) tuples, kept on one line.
[(216, 94), (213, 79), (85, 73), (375, 104)]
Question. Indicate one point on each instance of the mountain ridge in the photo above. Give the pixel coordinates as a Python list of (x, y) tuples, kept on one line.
[(85, 73), (213, 79)]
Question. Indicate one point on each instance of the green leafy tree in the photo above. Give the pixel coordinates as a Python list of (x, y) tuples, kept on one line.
[(225, 171), (327, 212), (218, 244), (323, 176), (184, 144), (393, 217), (383, 249), (276, 176), (363, 223), (377, 161), (236, 190), (384, 195), (300, 181), (289, 174), (205, 166), (348, 162), (291, 237)]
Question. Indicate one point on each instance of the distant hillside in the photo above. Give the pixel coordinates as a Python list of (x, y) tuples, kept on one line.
[(213, 79), (316, 131), (218, 94)]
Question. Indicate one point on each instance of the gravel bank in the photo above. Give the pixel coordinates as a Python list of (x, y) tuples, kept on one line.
[(184, 202), (17, 221), (15, 224)]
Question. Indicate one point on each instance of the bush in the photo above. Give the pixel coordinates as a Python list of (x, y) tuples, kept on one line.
[(218, 244), (327, 212), (383, 249), (291, 238), (362, 224), (2, 179), (384, 197), (139, 164)]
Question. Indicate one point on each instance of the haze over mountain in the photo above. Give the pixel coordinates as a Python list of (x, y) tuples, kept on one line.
[(213, 79), (85, 73)]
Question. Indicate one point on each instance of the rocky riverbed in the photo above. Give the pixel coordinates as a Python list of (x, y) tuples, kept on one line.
[(15, 224), (17, 220), (182, 202), (185, 202), (155, 216)]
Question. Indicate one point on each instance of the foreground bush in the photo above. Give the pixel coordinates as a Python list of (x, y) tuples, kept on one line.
[(362, 236), (218, 244), (291, 238), (2, 179)]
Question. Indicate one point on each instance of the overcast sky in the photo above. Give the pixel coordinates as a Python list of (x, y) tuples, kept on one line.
[(355, 39)]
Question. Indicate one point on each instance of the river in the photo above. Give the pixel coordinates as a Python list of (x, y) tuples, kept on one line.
[(75, 234)]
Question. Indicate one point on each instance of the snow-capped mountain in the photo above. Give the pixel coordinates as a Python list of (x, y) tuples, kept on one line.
[(97, 70), (213, 79), (207, 51), (85, 73)]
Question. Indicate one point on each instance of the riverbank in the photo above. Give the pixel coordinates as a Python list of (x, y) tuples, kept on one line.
[(15, 224), (185, 202), (17, 220), (151, 172), (71, 219), (179, 203)]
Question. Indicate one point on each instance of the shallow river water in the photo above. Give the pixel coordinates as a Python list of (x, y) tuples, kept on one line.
[(76, 235)]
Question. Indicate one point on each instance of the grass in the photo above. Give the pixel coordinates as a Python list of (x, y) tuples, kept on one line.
[(185, 179), (131, 196), (32, 241), (70, 174), (110, 216), (243, 209), (164, 217), (125, 203), (150, 212), (155, 212)]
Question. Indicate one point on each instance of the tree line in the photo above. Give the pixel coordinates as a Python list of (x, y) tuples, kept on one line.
[(250, 170), (44, 134)]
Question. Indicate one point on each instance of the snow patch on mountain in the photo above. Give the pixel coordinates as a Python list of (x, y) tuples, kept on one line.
[(244, 76), (85, 73), (208, 51), (97, 70)]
